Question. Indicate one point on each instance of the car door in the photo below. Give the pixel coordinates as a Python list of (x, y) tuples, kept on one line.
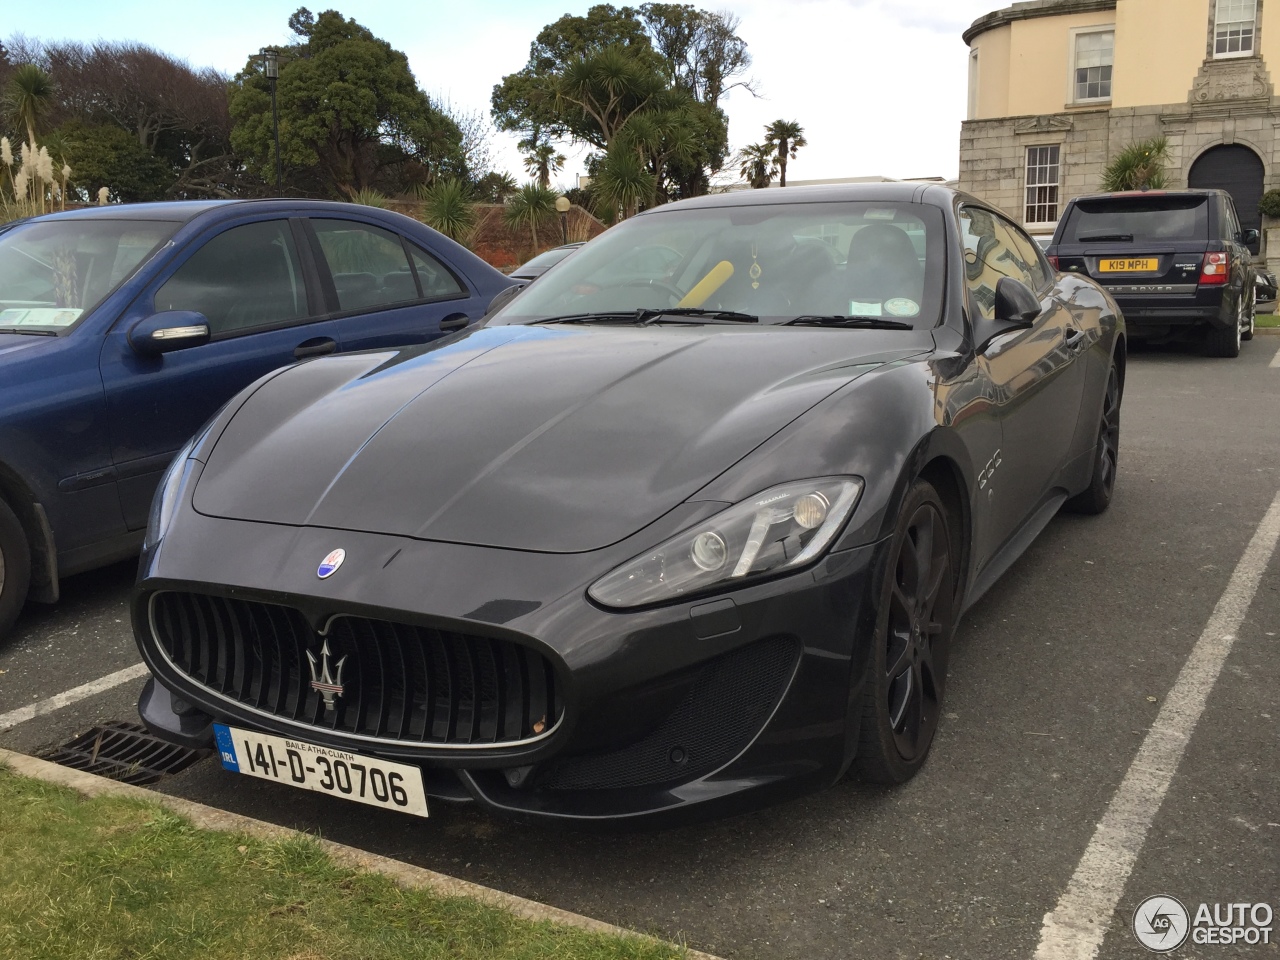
[(1037, 383), (249, 280), (383, 289)]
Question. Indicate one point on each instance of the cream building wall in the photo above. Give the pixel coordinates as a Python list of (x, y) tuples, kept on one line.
[(1165, 82)]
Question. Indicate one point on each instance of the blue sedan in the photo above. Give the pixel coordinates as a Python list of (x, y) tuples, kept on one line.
[(124, 328)]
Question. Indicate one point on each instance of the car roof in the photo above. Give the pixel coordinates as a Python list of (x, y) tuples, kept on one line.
[(823, 193), (182, 211), (1192, 192)]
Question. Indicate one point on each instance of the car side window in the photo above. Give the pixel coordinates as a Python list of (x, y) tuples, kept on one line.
[(369, 266), (1032, 256), (434, 277), (990, 253), (246, 277)]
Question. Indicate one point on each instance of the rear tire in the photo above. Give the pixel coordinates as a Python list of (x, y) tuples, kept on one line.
[(1097, 496), (15, 568), (1246, 333), (902, 699), (1224, 341)]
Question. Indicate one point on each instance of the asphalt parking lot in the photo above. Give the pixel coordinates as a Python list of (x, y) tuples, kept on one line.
[(1058, 678)]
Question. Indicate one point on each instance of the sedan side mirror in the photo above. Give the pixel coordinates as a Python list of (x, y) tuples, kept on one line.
[(168, 331), (1016, 308)]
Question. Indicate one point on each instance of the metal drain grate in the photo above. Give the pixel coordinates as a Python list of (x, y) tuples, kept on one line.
[(125, 752)]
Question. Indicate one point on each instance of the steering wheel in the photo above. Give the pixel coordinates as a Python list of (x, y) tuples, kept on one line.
[(661, 285)]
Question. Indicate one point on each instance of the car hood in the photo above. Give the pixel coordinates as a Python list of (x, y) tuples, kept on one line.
[(554, 439), (12, 344)]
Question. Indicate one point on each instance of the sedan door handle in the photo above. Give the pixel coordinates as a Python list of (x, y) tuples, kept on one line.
[(1075, 338), (315, 347), (455, 321)]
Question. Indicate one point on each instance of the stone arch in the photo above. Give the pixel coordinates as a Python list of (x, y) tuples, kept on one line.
[(1237, 168)]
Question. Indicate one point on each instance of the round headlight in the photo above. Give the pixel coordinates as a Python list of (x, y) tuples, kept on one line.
[(811, 510), (709, 551)]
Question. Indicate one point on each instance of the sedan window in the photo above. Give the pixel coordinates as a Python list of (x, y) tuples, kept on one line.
[(436, 280), (368, 264), (248, 276), (54, 272)]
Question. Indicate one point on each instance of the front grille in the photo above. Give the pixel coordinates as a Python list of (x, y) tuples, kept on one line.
[(730, 700), (399, 681)]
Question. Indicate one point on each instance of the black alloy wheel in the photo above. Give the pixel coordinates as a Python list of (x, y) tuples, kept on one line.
[(1246, 328), (1097, 496), (903, 700), (15, 568)]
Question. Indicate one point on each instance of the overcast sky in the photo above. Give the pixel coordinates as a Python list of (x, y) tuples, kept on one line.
[(878, 85)]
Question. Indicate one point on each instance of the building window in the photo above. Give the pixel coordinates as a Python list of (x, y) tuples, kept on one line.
[(1042, 184), (973, 85), (1234, 27), (1095, 53)]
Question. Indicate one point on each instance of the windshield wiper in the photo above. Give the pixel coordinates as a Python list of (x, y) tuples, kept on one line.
[(33, 331), (1106, 238), (646, 316), (836, 320)]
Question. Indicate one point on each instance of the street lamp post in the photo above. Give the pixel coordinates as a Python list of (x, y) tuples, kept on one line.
[(562, 207), (271, 68)]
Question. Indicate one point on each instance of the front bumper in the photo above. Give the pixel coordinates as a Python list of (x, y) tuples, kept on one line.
[(693, 708)]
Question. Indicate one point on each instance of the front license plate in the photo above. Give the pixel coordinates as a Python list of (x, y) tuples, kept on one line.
[(379, 783), (1135, 265)]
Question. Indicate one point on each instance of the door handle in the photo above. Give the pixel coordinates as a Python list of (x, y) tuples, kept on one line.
[(455, 321), (1075, 338), (315, 347)]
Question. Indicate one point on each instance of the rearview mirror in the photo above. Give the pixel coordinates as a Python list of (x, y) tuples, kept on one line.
[(168, 331), (1016, 308)]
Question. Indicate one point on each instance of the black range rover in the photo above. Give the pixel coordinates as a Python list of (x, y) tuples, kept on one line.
[(1176, 262)]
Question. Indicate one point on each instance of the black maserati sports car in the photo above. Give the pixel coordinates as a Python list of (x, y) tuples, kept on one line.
[(637, 547)]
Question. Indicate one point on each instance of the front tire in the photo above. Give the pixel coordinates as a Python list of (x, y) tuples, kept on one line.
[(1097, 496), (902, 702), (15, 568)]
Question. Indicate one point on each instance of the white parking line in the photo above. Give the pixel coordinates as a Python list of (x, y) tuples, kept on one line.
[(38, 709), (1275, 361), (1076, 927)]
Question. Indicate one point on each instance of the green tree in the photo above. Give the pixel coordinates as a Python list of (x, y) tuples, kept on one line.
[(28, 96), (531, 206), (351, 113), (786, 137), (703, 52), (1139, 166), (758, 164), (495, 187), (104, 155)]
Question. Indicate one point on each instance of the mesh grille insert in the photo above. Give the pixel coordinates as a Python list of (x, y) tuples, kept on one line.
[(398, 681)]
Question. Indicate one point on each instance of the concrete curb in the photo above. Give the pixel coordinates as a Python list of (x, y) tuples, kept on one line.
[(404, 874)]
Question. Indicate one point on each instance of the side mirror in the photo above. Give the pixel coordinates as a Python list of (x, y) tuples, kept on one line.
[(502, 298), (168, 331), (1249, 237), (1016, 308)]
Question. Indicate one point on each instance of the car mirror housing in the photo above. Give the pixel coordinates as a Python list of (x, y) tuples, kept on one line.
[(1249, 236), (168, 331), (1016, 308)]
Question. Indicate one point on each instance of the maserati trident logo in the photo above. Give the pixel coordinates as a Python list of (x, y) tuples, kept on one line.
[(329, 685), (330, 564)]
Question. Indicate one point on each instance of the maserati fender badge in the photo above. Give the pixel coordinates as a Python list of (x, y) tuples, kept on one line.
[(323, 680), (330, 564)]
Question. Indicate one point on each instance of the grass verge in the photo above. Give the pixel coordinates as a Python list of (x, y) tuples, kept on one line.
[(107, 877), (1266, 320)]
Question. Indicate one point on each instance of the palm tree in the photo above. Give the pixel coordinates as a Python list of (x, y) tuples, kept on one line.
[(447, 207), (541, 161), (786, 136), (28, 97), (532, 204), (1139, 166), (623, 181), (759, 164)]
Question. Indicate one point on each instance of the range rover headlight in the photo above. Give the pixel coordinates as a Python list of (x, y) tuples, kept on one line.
[(780, 529)]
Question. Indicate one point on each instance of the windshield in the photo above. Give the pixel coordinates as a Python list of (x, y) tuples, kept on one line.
[(54, 272), (776, 262), (1138, 219)]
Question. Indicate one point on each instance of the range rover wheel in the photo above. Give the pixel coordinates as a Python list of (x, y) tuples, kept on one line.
[(15, 567), (1223, 341), (1246, 328)]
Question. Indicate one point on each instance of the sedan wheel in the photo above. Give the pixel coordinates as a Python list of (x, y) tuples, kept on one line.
[(903, 699), (15, 568)]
